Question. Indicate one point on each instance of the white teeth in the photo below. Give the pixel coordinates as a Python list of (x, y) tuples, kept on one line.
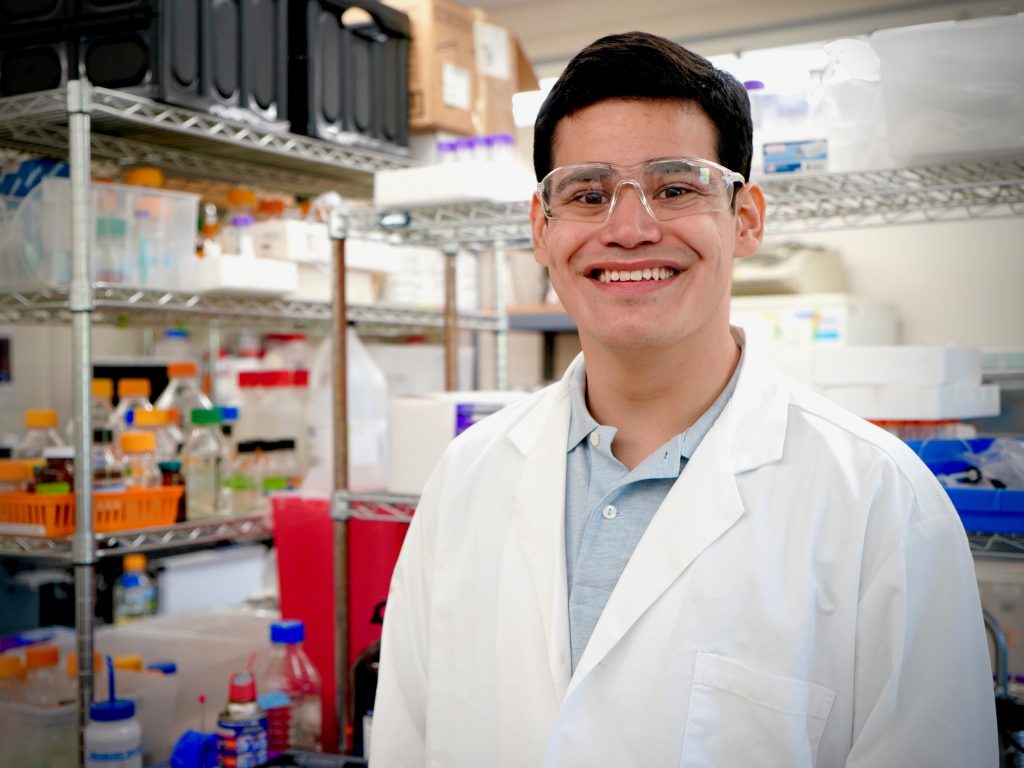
[(635, 275)]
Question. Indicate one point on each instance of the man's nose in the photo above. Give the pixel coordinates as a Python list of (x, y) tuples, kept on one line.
[(630, 220)]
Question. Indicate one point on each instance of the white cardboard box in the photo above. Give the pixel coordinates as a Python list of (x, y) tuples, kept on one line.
[(421, 426), (459, 182), (235, 274), (924, 366), (814, 318), (902, 402)]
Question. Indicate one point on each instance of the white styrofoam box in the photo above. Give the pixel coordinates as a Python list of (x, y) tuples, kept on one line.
[(236, 274), (413, 369), (448, 183), (953, 88), (315, 284), (420, 428), (825, 318), (183, 581), (291, 239), (922, 366), (904, 402)]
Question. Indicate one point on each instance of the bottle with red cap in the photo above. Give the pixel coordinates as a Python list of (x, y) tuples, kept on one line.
[(242, 726)]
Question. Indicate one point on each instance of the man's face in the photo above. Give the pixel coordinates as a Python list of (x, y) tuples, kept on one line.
[(691, 301)]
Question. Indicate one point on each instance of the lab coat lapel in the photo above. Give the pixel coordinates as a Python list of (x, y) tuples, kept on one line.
[(538, 508), (701, 506)]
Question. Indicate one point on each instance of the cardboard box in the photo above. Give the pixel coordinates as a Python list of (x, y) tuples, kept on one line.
[(463, 69)]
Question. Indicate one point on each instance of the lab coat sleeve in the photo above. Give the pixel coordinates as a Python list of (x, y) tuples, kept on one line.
[(400, 709), (923, 681)]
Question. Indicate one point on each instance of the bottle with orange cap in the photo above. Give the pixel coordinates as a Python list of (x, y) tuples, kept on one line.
[(11, 670), (160, 421), (183, 392), (133, 395), (40, 433), (101, 409), (138, 460), (147, 227), (44, 685), (134, 593), (236, 233)]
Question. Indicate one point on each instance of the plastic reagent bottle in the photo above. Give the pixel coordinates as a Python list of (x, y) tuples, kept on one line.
[(134, 591), (113, 737), (288, 670), (44, 685), (101, 409), (10, 677), (204, 459), (183, 392), (40, 433), (133, 395), (138, 460)]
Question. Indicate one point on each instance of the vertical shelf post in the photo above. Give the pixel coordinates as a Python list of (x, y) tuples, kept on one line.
[(451, 317), (501, 309), (83, 548), (344, 699)]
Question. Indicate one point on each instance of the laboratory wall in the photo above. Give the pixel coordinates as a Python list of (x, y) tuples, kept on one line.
[(950, 282)]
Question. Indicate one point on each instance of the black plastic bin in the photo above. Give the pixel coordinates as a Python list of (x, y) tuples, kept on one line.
[(348, 80), (224, 56)]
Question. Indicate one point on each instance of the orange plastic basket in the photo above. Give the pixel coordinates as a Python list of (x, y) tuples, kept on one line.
[(31, 514)]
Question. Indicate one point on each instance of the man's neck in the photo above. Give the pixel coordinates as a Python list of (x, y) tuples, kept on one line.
[(650, 396)]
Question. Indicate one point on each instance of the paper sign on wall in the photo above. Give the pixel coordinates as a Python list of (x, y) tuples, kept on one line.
[(456, 86), (493, 50)]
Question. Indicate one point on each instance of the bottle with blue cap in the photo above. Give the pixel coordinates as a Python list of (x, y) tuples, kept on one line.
[(294, 722), (113, 737)]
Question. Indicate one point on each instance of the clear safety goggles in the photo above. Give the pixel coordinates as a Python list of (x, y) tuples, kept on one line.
[(668, 188)]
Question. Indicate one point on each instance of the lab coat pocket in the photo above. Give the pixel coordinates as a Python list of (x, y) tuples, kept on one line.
[(740, 716)]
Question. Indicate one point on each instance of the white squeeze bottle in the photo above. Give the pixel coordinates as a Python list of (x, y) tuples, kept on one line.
[(113, 738)]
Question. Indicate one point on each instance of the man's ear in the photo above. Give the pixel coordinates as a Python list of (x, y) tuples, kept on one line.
[(538, 231), (750, 212)]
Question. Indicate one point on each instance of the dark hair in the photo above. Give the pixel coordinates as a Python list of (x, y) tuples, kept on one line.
[(641, 66)]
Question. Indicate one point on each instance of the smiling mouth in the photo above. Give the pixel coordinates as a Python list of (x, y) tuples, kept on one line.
[(632, 276)]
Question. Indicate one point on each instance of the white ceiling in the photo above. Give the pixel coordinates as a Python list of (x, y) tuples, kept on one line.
[(551, 31)]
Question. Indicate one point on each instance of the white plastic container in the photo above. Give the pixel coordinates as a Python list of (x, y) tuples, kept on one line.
[(953, 89), (367, 421), (113, 738), (35, 248)]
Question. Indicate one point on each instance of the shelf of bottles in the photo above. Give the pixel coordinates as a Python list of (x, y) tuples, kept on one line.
[(162, 539), (131, 130), (122, 305), (382, 507)]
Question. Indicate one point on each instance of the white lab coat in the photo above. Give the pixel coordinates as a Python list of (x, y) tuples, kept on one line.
[(805, 596)]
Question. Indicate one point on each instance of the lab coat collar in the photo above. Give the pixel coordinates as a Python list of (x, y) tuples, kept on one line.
[(701, 506)]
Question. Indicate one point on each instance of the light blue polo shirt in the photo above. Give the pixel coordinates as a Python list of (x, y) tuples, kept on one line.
[(608, 508)]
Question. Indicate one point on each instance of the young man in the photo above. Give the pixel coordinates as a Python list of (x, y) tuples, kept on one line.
[(674, 556)]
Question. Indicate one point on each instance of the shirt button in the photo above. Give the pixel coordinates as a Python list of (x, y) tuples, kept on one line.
[(609, 512), (595, 439)]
